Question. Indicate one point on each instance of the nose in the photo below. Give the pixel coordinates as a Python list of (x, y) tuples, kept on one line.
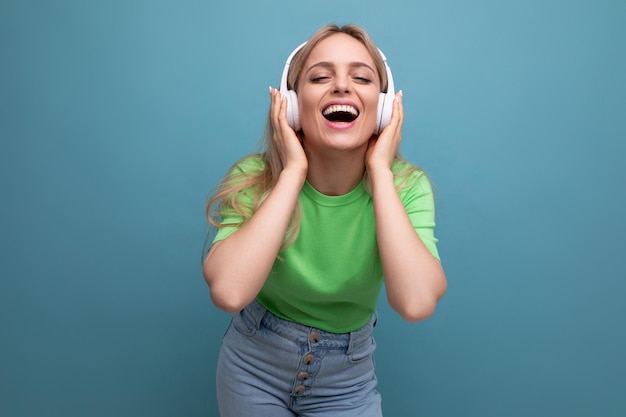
[(342, 84)]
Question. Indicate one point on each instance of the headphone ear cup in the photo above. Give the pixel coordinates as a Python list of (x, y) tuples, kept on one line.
[(385, 108), (293, 117)]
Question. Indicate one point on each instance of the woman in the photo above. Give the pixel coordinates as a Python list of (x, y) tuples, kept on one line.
[(307, 231)]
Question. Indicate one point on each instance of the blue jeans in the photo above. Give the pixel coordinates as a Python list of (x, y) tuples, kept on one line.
[(270, 367)]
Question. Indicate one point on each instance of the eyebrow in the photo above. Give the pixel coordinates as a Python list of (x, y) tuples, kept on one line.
[(326, 64)]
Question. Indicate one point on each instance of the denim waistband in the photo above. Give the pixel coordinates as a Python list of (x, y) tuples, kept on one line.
[(300, 332)]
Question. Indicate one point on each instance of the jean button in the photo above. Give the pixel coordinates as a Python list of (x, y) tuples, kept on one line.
[(299, 389), (308, 359), (303, 376), (314, 337)]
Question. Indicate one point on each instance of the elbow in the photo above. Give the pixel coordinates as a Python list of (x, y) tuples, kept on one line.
[(227, 303), (224, 296), (417, 312), (421, 308)]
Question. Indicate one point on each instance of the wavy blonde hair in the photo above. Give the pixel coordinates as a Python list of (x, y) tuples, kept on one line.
[(241, 193)]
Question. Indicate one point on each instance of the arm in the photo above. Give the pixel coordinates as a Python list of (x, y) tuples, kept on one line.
[(236, 268), (414, 278)]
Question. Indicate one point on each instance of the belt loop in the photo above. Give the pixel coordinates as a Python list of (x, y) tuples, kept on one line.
[(257, 311), (365, 331), (351, 343)]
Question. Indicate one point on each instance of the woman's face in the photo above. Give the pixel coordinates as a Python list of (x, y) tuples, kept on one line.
[(338, 92)]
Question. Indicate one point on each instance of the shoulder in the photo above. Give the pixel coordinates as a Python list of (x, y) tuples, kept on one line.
[(408, 177), (248, 164)]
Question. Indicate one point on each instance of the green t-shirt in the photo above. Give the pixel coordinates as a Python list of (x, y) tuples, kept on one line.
[(330, 277)]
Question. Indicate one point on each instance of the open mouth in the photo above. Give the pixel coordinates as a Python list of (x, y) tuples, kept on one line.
[(342, 113)]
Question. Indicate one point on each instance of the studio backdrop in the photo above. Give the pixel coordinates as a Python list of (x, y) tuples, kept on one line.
[(118, 119)]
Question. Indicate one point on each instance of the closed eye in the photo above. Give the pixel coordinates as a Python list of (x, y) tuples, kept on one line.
[(319, 79)]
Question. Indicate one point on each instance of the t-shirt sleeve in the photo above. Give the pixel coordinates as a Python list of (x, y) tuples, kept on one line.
[(230, 220), (419, 203), (224, 231)]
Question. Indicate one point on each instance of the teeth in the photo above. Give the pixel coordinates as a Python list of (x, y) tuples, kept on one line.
[(344, 108)]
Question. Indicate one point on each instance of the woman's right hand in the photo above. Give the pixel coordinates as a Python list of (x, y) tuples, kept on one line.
[(289, 146), (236, 268)]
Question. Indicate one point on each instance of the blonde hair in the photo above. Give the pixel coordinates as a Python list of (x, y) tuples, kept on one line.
[(255, 183)]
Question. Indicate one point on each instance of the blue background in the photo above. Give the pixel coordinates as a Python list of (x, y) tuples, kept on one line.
[(118, 118)]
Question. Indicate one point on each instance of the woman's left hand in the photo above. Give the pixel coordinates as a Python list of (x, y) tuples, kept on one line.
[(383, 148)]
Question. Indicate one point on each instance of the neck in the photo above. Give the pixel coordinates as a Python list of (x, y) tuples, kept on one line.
[(336, 173)]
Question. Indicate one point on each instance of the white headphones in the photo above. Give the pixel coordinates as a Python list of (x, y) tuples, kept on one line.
[(385, 100)]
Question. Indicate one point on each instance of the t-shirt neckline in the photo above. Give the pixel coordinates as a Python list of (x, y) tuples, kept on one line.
[(333, 200)]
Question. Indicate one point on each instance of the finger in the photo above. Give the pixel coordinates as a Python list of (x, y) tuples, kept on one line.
[(282, 115), (275, 106), (397, 115), (398, 108)]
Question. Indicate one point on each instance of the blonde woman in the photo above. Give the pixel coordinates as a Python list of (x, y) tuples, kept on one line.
[(310, 229)]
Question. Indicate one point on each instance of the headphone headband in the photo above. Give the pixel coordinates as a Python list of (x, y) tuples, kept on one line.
[(283, 79)]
